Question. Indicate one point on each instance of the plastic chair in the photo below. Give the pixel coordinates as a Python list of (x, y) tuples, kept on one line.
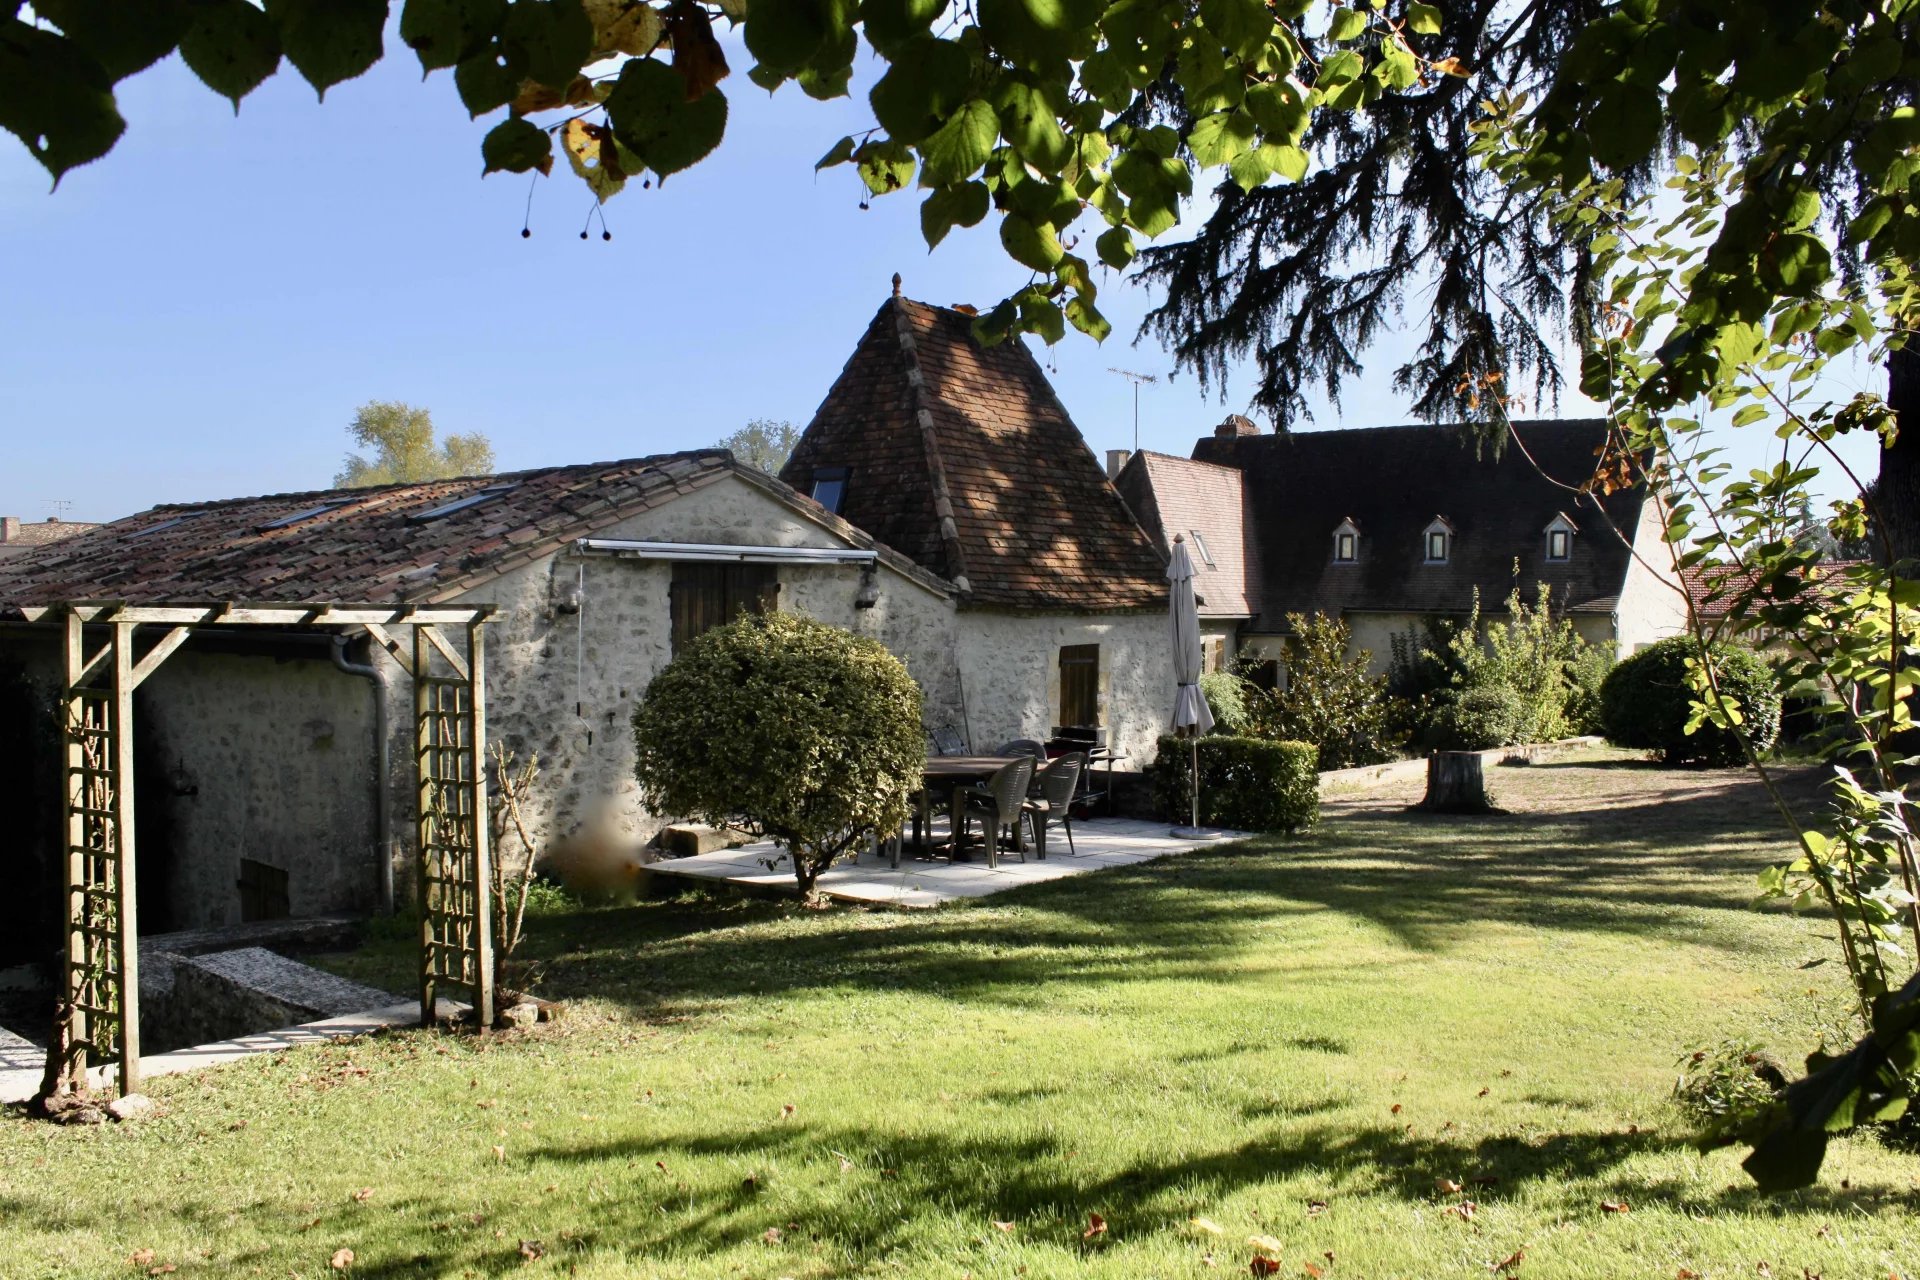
[(1023, 747), (1005, 798), (948, 742), (1056, 784)]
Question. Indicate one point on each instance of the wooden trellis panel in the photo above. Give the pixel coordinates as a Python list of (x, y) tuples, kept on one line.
[(455, 880)]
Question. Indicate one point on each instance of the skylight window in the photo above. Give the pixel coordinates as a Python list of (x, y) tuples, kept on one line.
[(461, 504), (300, 517), (830, 487), (1200, 545), (180, 519)]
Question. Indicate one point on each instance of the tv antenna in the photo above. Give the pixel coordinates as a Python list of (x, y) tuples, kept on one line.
[(60, 507), (1136, 379)]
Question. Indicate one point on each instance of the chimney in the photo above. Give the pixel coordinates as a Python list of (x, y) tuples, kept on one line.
[(1116, 460), (9, 528), (1235, 425)]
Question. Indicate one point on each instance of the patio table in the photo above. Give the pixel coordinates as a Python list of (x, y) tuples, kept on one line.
[(956, 772)]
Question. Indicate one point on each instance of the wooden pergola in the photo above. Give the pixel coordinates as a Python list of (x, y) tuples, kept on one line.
[(110, 648)]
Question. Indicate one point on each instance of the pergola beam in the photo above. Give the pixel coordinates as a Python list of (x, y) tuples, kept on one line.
[(232, 613)]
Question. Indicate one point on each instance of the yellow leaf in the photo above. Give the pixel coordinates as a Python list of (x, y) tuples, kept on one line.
[(1207, 1225), (342, 1259)]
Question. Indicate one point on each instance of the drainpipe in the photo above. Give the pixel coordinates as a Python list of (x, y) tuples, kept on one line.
[(382, 801)]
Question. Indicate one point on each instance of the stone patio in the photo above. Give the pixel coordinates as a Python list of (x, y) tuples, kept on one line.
[(928, 882)]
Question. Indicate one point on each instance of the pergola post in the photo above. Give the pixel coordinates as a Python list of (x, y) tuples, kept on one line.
[(126, 880)]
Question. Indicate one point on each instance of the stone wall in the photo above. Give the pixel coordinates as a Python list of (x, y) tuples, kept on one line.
[(1010, 666)]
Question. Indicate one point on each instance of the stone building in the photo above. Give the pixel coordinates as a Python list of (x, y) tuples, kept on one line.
[(1387, 527), (19, 536), (1021, 595)]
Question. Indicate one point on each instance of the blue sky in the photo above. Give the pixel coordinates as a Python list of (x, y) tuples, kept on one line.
[(199, 314)]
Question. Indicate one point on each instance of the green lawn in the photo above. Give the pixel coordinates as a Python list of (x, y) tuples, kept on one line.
[(748, 1089)]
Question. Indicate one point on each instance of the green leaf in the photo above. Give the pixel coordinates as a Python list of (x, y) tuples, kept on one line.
[(232, 46), (958, 148), (515, 145), (444, 33), (927, 80), (1423, 20), (1398, 68), (123, 38), (1795, 265), (1030, 123), (963, 205), (1040, 314), (329, 41), (1345, 25), (550, 40), (1115, 247), (1244, 26), (885, 165), (1281, 110), (839, 153), (1028, 244), (784, 35), (892, 22), (651, 116), (1288, 162), (1037, 35), (1624, 124), (1343, 67), (55, 98), (1217, 139), (1749, 414), (484, 83), (1085, 317)]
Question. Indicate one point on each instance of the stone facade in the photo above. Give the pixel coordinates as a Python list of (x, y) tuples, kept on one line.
[(1010, 663)]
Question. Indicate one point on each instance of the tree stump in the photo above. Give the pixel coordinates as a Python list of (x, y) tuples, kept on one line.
[(1456, 783)]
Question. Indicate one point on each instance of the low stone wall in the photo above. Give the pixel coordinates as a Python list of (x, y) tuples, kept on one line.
[(191, 1000)]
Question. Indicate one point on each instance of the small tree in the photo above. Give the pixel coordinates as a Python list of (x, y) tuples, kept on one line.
[(404, 449), (763, 444), (787, 727), (1651, 702), (1531, 654), (1330, 699)]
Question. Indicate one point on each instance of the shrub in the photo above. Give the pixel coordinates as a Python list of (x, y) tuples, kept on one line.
[(1226, 695), (1585, 677), (1724, 1089), (1647, 701), (1330, 699), (1246, 784), (785, 726), (1476, 719)]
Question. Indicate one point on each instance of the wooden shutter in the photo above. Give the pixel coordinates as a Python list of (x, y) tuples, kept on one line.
[(705, 596), (1080, 685)]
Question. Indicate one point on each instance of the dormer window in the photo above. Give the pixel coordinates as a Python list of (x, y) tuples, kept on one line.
[(1346, 542), (829, 487), (1560, 531), (1437, 540)]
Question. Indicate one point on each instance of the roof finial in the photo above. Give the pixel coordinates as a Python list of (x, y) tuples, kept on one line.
[(896, 284)]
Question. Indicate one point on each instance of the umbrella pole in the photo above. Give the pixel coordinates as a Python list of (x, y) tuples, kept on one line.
[(1193, 792)]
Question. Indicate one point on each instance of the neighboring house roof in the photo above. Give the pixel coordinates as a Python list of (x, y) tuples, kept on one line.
[(17, 536), (1171, 496), (373, 546), (962, 457), (1392, 482), (1716, 588)]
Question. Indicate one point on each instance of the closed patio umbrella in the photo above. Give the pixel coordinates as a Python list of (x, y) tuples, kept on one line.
[(1191, 715)]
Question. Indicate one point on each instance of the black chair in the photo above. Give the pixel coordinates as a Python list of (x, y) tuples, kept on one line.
[(1023, 747), (1056, 785), (947, 741), (1004, 799)]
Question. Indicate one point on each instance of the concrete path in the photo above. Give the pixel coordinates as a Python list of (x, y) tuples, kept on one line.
[(928, 882)]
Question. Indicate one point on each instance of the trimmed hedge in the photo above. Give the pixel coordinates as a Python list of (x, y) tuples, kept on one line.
[(1644, 703), (1246, 784), (1477, 719)]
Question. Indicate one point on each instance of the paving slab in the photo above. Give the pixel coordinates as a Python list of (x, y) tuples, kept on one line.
[(927, 882)]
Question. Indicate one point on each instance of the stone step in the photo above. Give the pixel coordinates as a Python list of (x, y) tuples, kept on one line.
[(690, 839)]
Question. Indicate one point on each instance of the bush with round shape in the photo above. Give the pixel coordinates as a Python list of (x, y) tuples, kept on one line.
[(1477, 719), (1647, 700), (786, 726)]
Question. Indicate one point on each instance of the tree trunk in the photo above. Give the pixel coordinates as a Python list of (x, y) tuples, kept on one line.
[(1897, 495), (1456, 783)]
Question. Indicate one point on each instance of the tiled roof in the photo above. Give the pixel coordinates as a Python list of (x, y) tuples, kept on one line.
[(962, 457), (370, 545), (1715, 588), (1392, 482), (1172, 496)]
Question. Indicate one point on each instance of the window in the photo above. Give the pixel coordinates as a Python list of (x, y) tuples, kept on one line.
[(1079, 685), (830, 487), (165, 524), (1346, 542), (705, 596), (1437, 539), (301, 517), (1560, 531), (461, 504), (1436, 546), (1200, 545)]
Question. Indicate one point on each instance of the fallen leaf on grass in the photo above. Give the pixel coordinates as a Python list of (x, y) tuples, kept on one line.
[(1483, 1093), (1313, 1272), (363, 1195), (1614, 1206), (1266, 1246), (1511, 1265), (164, 1269), (1262, 1266), (532, 1250), (342, 1259), (1004, 1226), (1764, 1271), (773, 1235), (1395, 1109), (1464, 1210), (1096, 1226), (786, 1109), (499, 1152), (1447, 1186), (1206, 1260), (1687, 1273), (140, 1257), (1316, 1207), (1208, 1225)]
